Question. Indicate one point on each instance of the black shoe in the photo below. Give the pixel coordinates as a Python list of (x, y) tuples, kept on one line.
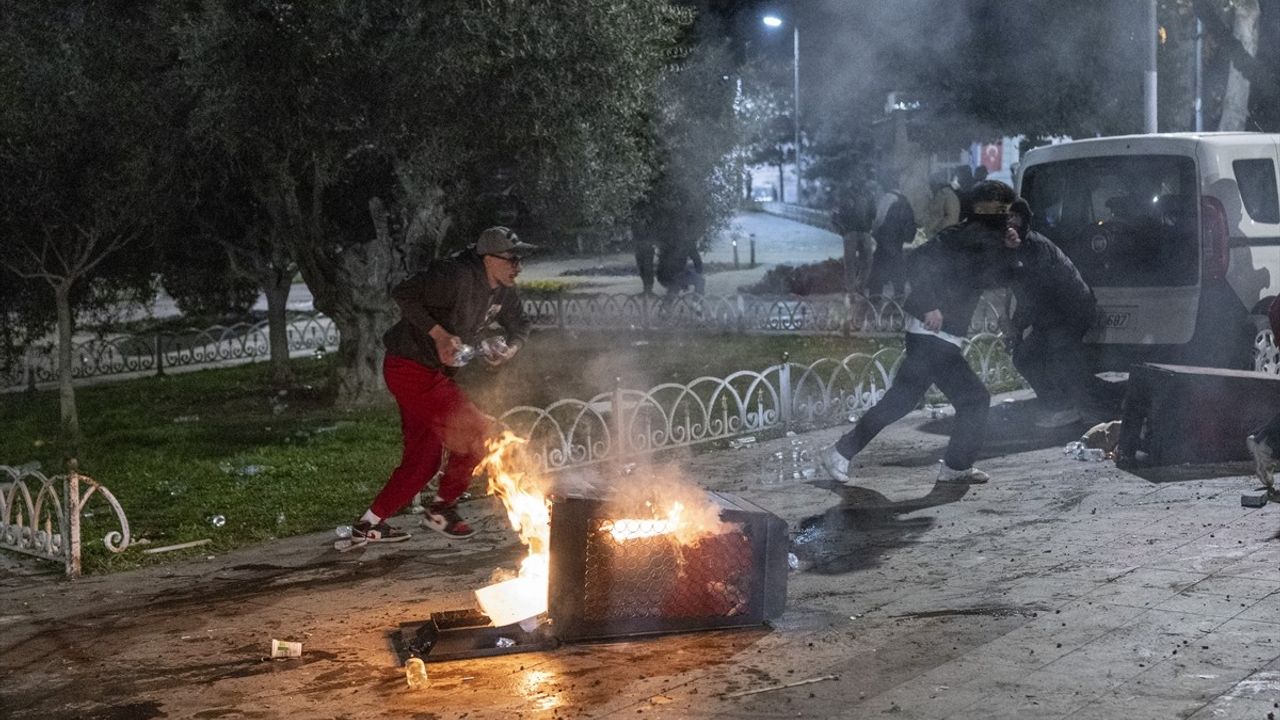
[(366, 531), (444, 519)]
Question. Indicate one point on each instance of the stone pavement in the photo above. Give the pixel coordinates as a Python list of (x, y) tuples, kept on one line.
[(1060, 589)]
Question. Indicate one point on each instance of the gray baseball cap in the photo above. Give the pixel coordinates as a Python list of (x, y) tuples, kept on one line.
[(499, 240)]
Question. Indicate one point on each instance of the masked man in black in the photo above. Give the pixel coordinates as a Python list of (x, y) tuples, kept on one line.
[(947, 276)]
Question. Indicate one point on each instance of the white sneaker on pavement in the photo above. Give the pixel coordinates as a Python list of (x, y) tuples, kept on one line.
[(835, 464), (968, 476)]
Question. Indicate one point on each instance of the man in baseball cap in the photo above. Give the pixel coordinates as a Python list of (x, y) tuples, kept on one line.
[(444, 313)]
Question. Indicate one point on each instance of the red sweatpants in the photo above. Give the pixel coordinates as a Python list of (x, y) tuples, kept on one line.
[(434, 414)]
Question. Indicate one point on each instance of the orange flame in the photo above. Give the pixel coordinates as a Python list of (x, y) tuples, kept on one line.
[(665, 506), (524, 496)]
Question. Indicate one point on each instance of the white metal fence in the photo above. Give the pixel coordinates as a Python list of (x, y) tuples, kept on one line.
[(43, 516), (622, 423), (126, 356)]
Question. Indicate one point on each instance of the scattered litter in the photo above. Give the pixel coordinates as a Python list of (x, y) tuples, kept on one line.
[(218, 521), (179, 546), (504, 642), (1253, 500), (639, 343), (659, 700), (740, 443), (1103, 436), (243, 471), (793, 562), (33, 466), (285, 649), (349, 544), (783, 686), (628, 468), (186, 419), (1079, 451), (415, 673), (854, 417), (280, 519), (319, 353), (343, 531)]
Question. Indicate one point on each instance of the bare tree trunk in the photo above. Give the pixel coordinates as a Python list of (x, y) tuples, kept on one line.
[(278, 329), (66, 392), (1235, 100)]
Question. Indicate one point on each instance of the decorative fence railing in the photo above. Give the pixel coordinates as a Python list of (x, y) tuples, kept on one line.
[(755, 314), (133, 355), (623, 423), (43, 516), (153, 354)]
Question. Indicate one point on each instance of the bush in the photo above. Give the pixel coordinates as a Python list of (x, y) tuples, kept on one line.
[(824, 278)]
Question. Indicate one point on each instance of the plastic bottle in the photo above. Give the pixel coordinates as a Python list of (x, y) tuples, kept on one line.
[(494, 348), (415, 673), (343, 531), (463, 354)]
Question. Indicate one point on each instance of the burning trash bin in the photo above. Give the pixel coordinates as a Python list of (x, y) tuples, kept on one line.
[(609, 564)]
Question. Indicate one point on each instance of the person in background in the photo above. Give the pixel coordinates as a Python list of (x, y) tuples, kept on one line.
[(894, 227), (947, 277), (1054, 309), (441, 310), (680, 268), (944, 205), (853, 219)]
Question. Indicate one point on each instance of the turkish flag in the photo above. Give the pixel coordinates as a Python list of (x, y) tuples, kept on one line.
[(992, 157)]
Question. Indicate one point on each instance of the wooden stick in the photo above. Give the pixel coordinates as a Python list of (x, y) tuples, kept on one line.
[(179, 546), (771, 688)]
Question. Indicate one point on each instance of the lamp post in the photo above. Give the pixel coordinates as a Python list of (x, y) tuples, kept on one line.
[(774, 21)]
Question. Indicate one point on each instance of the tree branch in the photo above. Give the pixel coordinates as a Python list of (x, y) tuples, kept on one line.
[(1248, 65)]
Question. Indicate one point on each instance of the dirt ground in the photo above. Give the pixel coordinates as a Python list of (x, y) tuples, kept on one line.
[(1060, 589)]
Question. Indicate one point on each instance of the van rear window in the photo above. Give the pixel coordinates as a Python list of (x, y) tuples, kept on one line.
[(1257, 181), (1125, 221)]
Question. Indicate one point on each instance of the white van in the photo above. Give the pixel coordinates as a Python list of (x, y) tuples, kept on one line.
[(1178, 234)]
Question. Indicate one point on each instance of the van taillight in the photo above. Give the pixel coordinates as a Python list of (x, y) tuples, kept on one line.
[(1215, 238)]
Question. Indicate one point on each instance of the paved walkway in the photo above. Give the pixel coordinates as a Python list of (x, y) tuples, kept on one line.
[(778, 240), (1062, 589)]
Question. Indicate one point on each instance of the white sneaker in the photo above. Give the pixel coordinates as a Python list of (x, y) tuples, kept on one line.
[(1059, 418), (1263, 460), (836, 465), (968, 476)]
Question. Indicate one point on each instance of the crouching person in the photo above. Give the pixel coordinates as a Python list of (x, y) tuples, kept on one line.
[(1055, 308), (442, 310)]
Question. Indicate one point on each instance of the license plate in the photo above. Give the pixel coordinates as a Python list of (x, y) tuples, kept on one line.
[(1115, 320)]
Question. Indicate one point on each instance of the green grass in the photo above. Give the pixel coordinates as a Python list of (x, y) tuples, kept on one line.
[(173, 449)]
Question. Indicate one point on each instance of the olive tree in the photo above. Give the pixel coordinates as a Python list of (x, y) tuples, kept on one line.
[(367, 130)]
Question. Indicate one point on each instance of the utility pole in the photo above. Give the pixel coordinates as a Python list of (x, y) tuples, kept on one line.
[(1199, 107), (795, 95), (1149, 81)]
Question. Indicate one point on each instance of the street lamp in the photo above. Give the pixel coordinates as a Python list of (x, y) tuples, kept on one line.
[(774, 21)]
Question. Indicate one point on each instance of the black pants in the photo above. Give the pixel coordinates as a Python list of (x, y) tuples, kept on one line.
[(929, 361), (1052, 361)]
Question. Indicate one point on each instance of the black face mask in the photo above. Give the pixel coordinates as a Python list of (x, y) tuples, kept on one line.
[(992, 222)]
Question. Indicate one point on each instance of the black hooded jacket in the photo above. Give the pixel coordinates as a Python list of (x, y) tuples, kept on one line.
[(453, 293), (1048, 287), (949, 272)]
